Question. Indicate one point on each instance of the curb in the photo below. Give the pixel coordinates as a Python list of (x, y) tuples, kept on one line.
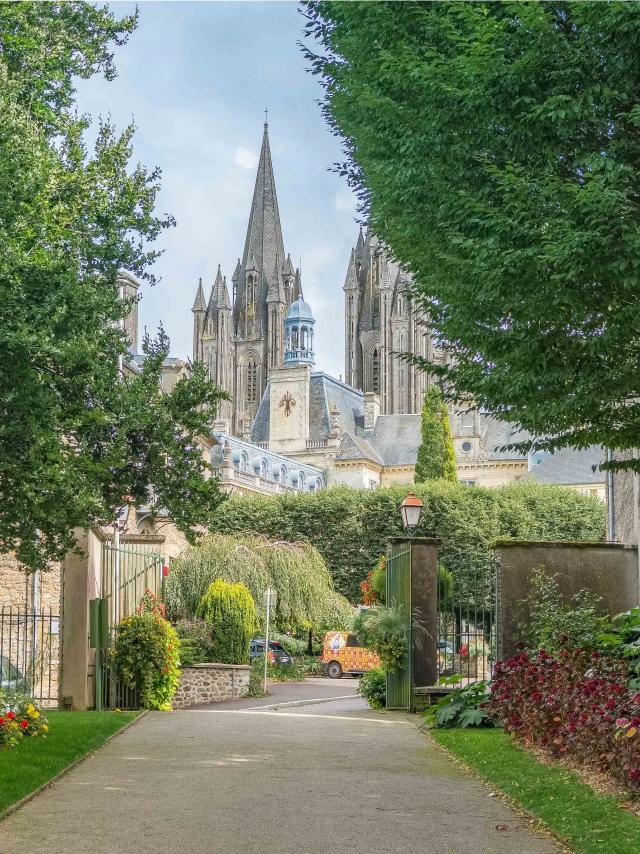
[(290, 703), (28, 797)]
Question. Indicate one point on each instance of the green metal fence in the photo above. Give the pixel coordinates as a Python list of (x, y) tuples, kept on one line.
[(126, 574), (398, 595)]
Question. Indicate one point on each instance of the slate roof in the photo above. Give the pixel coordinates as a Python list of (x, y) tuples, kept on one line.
[(396, 439), (570, 466)]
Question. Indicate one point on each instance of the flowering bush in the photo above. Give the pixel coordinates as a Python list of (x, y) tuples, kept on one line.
[(576, 703), (373, 687), (146, 656), (20, 718)]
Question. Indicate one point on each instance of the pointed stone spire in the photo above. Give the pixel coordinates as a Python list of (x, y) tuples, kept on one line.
[(288, 269), (199, 304), (360, 244), (222, 293), (351, 279), (297, 288), (236, 273), (263, 243)]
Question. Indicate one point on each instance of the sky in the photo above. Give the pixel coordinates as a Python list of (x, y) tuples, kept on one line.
[(196, 77)]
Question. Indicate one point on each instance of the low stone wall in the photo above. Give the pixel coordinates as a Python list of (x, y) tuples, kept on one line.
[(211, 683)]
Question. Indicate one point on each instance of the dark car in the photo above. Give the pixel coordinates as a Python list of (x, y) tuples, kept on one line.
[(277, 653)]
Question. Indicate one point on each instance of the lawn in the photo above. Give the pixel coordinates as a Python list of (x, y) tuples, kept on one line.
[(36, 760), (588, 822)]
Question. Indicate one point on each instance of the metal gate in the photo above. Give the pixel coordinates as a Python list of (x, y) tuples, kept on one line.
[(398, 595), (30, 652), (126, 574), (468, 635)]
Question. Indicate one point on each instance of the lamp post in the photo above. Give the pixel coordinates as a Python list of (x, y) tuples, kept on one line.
[(411, 511)]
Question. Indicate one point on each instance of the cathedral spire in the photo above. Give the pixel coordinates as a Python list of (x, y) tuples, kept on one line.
[(199, 304), (264, 232)]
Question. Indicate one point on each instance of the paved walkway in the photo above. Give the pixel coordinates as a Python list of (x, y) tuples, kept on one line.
[(324, 778)]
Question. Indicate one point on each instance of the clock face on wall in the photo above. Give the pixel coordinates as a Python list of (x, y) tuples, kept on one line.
[(466, 447), (287, 403)]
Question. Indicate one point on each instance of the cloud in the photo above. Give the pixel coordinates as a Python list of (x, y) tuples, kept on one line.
[(344, 200), (245, 158)]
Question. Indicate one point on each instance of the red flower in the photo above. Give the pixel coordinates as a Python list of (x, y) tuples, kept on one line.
[(24, 724), (10, 716), (1, 721)]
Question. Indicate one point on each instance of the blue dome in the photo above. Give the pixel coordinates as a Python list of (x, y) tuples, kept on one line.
[(299, 310)]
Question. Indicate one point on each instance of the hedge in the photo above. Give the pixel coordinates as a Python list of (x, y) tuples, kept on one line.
[(349, 527)]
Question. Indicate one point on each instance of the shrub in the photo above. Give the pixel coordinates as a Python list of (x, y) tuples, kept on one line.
[(229, 612), (146, 657), (310, 665), (306, 597), (385, 632), (373, 687), (20, 717), (195, 642), (463, 707), (577, 703), (350, 527), (256, 678), (553, 624)]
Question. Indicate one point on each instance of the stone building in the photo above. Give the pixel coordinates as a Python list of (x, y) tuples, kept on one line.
[(241, 339), (380, 322)]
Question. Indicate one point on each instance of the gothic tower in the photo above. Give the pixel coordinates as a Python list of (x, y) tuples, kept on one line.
[(380, 321), (241, 341)]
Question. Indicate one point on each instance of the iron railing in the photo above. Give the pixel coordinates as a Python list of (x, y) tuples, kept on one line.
[(468, 636), (30, 652)]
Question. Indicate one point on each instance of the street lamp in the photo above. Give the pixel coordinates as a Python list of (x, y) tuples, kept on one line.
[(411, 510)]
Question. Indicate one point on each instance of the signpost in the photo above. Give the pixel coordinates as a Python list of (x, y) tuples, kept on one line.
[(270, 599)]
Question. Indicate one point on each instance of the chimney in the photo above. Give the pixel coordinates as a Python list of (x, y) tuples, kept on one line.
[(371, 410)]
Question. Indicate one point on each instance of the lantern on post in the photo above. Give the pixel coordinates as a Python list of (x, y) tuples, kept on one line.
[(411, 510)]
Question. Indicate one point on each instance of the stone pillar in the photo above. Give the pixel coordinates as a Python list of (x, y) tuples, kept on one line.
[(424, 606), (371, 410), (80, 583)]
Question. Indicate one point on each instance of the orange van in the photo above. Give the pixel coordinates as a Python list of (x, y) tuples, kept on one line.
[(341, 653)]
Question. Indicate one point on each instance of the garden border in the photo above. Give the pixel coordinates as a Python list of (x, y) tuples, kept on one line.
[(26, 798), (536, 823)]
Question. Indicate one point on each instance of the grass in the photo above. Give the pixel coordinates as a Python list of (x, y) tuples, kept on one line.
[(586, 821), (36, 760)]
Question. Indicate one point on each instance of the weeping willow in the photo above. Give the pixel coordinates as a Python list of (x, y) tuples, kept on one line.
[(297, 571)]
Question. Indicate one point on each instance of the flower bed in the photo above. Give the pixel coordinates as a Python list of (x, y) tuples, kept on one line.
[(577, 704), (20, 718)]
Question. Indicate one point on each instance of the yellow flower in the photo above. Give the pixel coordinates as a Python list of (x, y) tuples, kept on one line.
[(45, 727)]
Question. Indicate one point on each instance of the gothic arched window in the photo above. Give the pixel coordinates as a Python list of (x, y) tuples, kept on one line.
[(375, 371), (252, 381)]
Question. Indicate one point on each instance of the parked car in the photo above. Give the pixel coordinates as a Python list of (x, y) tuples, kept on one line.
[(342, 653), (10, 677), (277, 653)]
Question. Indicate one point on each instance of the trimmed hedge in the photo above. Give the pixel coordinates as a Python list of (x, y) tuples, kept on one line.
[(350, 527), (230, 614)]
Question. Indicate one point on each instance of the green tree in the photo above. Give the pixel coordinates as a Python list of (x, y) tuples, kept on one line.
[(495, 149), (229, 612), (77, 439), (436, 457)]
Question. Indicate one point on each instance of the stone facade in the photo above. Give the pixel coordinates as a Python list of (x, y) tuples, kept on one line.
[(381, 321), (211, 683)]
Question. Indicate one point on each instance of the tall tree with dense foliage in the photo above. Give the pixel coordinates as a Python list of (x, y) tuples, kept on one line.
[(77, 439), (436, 457), (495, 149)]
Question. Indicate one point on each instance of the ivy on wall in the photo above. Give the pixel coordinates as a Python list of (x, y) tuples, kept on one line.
[(350, 527)]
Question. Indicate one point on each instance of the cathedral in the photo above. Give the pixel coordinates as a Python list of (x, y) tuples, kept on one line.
[(288, 426), (241, 339)]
